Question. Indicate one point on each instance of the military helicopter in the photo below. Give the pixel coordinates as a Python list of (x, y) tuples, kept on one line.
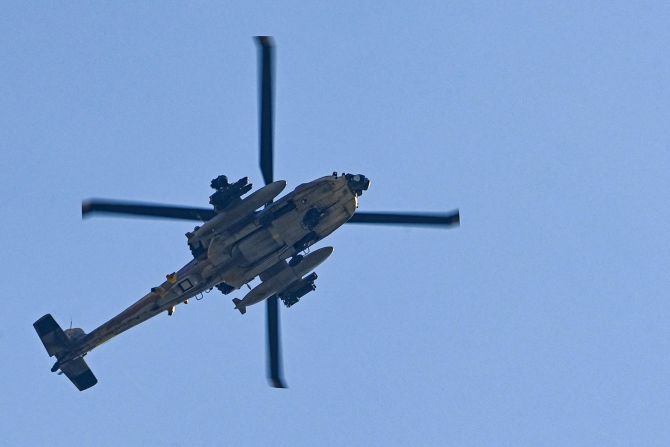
[(240, 238)]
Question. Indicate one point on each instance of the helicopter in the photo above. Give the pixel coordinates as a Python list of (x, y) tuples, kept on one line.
[(241, 237)]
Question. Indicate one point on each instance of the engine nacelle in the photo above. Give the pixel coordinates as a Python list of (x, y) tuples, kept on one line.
[(298, 289)]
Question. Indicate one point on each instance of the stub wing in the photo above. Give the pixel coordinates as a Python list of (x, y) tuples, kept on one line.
[(282, 276)]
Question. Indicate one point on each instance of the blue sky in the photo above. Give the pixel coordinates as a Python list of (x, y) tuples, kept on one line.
[(542, 320)]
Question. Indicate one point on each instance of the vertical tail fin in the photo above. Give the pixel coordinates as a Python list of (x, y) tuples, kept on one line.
[(53, 338)]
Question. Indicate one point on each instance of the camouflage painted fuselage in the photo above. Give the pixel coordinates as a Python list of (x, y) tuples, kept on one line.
[(235, 250)]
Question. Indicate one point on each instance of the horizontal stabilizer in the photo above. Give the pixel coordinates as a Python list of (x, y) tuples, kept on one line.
[(79, 373), (57, 344)]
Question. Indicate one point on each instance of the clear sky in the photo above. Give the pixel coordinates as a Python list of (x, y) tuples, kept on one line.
[(542, 320)]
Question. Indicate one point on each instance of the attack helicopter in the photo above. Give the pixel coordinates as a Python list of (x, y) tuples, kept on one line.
[(240, 238)]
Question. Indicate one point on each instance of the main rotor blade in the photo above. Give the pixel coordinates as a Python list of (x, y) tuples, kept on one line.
[(140, 209), (452, 218), (265, 134), (275, 373), (265, 103)]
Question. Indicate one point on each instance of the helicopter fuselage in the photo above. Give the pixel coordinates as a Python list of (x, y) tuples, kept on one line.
[(239, 239), (239, 244)]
